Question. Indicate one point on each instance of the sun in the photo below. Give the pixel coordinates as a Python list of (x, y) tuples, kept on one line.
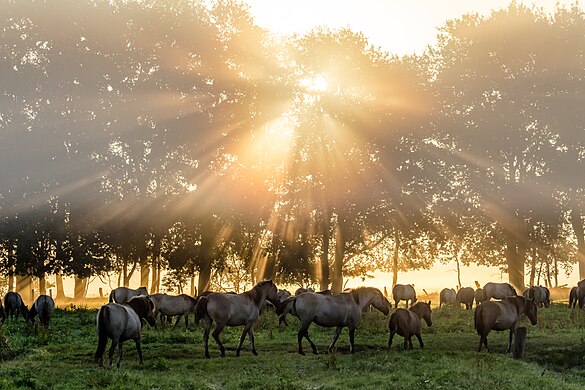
[(317, 84)]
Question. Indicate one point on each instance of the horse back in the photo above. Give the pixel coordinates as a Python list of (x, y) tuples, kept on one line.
[(231, 309), (122, 321), (403, 321)]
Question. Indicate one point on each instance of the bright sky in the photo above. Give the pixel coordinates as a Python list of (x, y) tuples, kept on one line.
[(397, 26)]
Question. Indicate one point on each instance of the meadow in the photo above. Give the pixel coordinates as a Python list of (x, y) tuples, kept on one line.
[(62, 357)]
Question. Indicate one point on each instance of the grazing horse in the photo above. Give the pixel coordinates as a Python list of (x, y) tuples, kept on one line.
[(43, 307), (574, 297), (581, 286), (502, 315), (337, 310), (174, 305), (233, 310), (407, 323), (403, 292), (124, 294), (499, 290), (301, 290), (480, 297), (540, 295), (121, 322), (465, 296), (13, 305), (447, 296)]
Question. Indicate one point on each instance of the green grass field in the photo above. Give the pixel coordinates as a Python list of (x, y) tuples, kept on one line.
[(62, 358)]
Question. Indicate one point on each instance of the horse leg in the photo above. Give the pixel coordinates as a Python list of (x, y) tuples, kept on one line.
[(139, 350), (390, 340), (243, 336), (335, 336), (512, 333), (206, 336), (187, 321), (351, 339), (177, 321), (420, 342), (304, 332), (119, 353), (252, 345), (218, 329), (410, 342), (112, 349), (406, 337)]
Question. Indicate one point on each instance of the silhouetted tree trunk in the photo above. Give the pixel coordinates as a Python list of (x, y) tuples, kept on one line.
[(577, 222), (515, 258), (144, 273), (42, 285), (204, 277), (395, 258), (193, 291), (324, 282), (24, 288), (10, 283), (80, 288), (337, 279), (59, 285), (533, 267)]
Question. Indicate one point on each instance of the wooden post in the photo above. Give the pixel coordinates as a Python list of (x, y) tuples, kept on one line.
[(520, 343)]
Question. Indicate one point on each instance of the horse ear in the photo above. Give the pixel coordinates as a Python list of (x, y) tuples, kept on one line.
[(429, 303)]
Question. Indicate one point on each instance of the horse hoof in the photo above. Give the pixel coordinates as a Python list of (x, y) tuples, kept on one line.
[(301, 353), (255, 353), (315, 352), (207, 356)]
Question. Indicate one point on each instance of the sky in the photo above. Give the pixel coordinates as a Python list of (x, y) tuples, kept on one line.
[(397, 26)]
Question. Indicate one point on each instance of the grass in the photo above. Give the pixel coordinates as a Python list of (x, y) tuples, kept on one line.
[(62, 358)]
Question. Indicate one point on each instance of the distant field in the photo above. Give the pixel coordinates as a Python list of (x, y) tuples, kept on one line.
[(63, 357)]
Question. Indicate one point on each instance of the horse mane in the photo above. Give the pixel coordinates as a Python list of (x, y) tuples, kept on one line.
[(254, 293), (140, 305), (356, 291)]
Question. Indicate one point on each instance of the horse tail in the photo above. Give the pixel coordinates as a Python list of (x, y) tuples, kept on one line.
[(477, 325), (201, 308), (102, 331), (45, 314)]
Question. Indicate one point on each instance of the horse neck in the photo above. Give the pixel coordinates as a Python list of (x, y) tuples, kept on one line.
[(363, 298), (258, 295), (416, 309)]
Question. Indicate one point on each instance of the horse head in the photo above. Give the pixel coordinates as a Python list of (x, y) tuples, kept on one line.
[(381, 303), (531, 311)]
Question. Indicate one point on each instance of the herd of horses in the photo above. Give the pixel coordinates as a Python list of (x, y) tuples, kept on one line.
[(123, 317)]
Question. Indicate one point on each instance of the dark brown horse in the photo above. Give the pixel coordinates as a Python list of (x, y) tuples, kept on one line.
[(43, 307), (13, 305), (499, 290), (574, 297), (121, 322), (465, 296), (502, 315), (407, 323), (233, 310), (339, 310), (480, 297)]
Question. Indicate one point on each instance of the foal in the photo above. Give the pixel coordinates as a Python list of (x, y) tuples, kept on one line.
[(407, 323)]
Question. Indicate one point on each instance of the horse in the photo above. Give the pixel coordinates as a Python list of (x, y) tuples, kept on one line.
[(574, 297), (581, 286), (498, 290), (174, 305), (540, 295), (480, 296), (339, 310), (407, 323), (403, 292), (2, 314), (302, 290), (233, 310), (465, 296), (447, 296), (43, 307), (124, 294), (121, 322), (13, 305), (502, 315)]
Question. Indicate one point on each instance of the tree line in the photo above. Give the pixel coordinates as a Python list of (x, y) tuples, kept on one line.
[(179, 136)]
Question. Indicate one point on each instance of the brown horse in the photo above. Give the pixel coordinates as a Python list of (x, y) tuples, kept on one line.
[(480, 297), (465, 296), (574, 297), (447, 296), (227, 309), (499, 290), (404, 292), (339, 310), (407, 323), (502, 315)]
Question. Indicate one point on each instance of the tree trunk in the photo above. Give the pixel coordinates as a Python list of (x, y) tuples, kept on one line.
[(24, 288), (337, 279), (59, 285), (42, 285), (395, 258), (204, 277), (193, 291), (324, 280), (458, 273), (577, 222), (144, 273), (80, 288), (10, 283), (533, 266), (515, 259)]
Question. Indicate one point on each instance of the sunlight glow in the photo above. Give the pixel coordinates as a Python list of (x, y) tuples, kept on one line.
[(316, 84)]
